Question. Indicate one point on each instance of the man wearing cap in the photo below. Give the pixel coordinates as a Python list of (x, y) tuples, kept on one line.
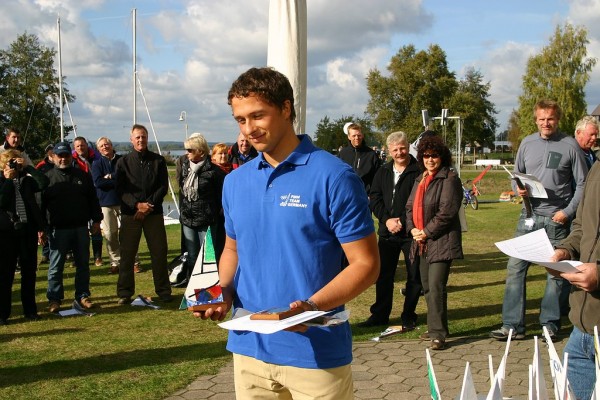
[(142, 182), (363, 159), (47, 162), (69, 202)]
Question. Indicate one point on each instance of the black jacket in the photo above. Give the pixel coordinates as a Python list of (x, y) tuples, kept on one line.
[(364, 161), (441, 204), (388, 203), (235, 158), (31, 181), (70, 199), (204, 211), (142, 177)]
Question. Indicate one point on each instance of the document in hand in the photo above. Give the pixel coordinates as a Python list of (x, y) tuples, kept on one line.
[(533, 185), (536, 247), (245, 323)]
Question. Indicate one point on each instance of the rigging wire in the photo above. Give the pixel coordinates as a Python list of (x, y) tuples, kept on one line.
[(155, 137)]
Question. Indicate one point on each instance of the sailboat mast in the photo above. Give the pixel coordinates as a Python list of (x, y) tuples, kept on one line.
[(60, 85), (134, 13)]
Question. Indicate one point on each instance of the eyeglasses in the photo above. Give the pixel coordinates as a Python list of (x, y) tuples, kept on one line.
[(431, 156)]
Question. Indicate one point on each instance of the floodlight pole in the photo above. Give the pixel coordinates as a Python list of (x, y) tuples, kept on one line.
[(459, 127)]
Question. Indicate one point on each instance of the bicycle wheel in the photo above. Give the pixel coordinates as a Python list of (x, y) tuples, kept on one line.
[(474, 202)]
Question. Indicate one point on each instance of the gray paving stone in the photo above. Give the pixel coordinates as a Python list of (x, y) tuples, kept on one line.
[(396, 369)]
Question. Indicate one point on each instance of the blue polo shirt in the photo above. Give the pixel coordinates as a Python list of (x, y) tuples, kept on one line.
[(288, 223)]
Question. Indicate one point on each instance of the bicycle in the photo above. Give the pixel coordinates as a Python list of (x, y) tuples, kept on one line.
[(470, 196)]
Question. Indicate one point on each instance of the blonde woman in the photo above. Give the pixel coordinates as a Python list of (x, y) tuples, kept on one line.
[(201, 184)]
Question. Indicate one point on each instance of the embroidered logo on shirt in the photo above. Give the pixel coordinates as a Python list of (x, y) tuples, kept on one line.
[(292, 200)]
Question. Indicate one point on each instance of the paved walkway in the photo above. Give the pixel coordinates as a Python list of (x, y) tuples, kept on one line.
[(396, 369)]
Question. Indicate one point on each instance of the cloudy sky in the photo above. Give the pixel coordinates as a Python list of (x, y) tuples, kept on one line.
[(189, 52)]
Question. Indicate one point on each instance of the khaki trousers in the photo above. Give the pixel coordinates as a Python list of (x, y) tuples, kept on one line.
[(255, 379)]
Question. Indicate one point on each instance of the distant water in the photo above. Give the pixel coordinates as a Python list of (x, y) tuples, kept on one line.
[(174, 153), (169, 208)]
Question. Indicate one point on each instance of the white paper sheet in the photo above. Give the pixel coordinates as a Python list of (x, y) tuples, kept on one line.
[(536, 247), (533, 185), (265, 326)]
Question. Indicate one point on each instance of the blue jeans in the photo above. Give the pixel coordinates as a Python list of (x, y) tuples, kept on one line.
[(60, 242), (194, 238), (515, 293), (581, 371)]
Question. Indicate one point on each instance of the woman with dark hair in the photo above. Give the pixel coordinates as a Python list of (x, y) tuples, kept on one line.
[(432, 219)]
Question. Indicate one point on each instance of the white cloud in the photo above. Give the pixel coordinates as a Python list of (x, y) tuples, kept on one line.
[(189, 52)]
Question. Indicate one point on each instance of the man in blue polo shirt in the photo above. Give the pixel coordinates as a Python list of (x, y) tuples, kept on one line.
[(289, 215)]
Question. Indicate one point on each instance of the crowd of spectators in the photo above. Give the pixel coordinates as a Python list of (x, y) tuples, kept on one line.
[(77, 195)]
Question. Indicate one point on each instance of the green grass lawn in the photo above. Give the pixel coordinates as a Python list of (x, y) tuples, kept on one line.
[(131, 352)]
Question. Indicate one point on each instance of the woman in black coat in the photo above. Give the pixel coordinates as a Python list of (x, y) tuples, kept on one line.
[(432, 219), (21, 227), (201, 186)]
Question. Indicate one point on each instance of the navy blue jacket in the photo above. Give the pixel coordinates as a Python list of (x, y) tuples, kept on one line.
[(106, 188)]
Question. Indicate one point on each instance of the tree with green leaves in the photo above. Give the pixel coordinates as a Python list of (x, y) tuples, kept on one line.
[(471, 102), (515, 135), (559, 72), (417, 80), (330, 135), (29, 93)]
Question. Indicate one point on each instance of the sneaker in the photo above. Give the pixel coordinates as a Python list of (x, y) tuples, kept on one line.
[(137, 268), (114, 269), (54, 306), (502, 334), (86, 303), (438, 344), (124, 300), (424, 335), (99, 262)]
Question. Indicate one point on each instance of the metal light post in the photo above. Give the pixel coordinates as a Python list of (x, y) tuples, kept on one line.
[(183, 118)]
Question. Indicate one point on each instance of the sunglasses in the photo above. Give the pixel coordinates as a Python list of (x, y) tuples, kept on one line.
[(431, 156), (190, 150)]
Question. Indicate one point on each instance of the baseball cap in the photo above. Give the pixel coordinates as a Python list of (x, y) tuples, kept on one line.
[(62, 148)]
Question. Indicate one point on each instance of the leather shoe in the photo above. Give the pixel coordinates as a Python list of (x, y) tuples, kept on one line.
[(86, 303), (166, 298), (369, 323), (33, 317), (137, 268), (124, 300), (54, 306), (3, 322), (438, 344)]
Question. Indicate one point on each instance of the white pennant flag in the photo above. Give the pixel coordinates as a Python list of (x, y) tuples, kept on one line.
[(468, 391), (562, 390), (433, 386)]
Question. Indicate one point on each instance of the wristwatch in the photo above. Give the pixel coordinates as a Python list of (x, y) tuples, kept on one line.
[(312, 304)]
